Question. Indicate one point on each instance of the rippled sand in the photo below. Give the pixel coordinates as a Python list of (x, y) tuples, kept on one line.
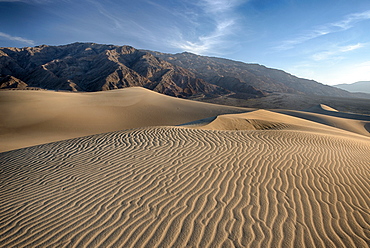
[(256, 179)]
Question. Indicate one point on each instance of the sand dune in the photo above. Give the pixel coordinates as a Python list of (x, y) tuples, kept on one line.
[(35, 117), (286, 119), (343, 121), (255, 179), (321, 108)]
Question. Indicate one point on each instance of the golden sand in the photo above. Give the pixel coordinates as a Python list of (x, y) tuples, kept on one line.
[(256, 179)]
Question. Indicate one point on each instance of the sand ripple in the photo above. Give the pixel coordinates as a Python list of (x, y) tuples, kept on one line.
[(184, 187)]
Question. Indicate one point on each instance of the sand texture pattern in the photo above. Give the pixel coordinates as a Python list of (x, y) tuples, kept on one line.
[(259, 179)]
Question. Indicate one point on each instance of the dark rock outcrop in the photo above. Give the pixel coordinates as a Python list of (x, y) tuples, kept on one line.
[(10, 82)]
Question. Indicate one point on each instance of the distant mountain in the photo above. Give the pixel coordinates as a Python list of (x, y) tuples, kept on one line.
[(362, 86), (95, 67), (237, 76)]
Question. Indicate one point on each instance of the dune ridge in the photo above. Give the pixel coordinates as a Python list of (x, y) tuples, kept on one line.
[(262, 119), (322, 108), (30, 118), (188, 187)]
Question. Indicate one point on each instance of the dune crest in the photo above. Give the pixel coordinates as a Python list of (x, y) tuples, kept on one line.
[(270, 120), (253, 120), (236, 123), (35, 117), (322, 108)]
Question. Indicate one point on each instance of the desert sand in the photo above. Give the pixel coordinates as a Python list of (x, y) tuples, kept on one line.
[(36, 117), (261, 178)]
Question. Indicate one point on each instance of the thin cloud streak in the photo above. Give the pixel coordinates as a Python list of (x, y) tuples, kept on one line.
[(208, 42), (336, 51), (221, 12), (217, 6), (16, 38), (348, 22), (121, 24), (352, 19)]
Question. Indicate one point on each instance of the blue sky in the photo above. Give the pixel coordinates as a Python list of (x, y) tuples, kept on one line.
[(324, 40)]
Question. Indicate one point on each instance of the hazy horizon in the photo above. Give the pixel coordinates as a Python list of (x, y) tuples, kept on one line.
[(324, 41)]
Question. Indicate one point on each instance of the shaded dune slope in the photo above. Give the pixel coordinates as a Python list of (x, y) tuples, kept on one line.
[(188, 187)]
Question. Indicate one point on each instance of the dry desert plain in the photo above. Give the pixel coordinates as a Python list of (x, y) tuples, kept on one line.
[(134, 168)]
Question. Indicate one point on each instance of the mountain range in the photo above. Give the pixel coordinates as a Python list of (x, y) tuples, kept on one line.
[(91, 67), (362, 86)]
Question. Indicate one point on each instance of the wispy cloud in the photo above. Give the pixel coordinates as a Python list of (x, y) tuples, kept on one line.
[(346, 23), (130, 27), (222, 15), (217, 6), (16, 38), (202, 27), (337, 50), (352, 19), (207, 43)]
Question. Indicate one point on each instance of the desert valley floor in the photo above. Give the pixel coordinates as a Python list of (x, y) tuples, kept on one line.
[(134, 168)]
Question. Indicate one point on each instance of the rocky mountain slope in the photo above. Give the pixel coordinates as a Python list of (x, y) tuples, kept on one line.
[(95, 67), (236, 76)]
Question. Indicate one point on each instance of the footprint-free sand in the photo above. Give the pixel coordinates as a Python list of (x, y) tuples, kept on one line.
[(261, 178)]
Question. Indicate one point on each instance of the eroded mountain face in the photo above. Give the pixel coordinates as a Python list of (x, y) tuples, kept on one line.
[(94, 67)]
